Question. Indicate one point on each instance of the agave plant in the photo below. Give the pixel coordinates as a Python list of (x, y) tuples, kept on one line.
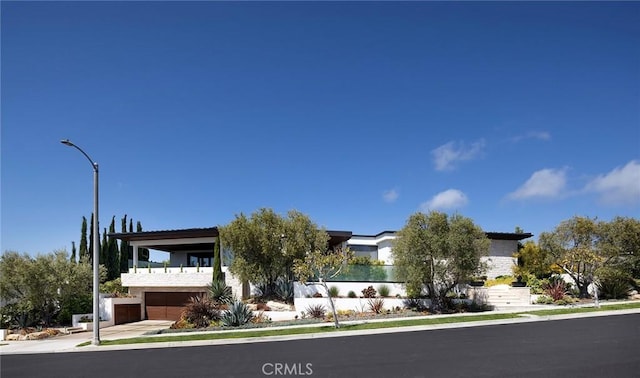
[(220, 292), (284, 290), (236, 315)]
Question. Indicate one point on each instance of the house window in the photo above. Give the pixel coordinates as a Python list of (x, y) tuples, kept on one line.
[(370, 251), (202, 259)]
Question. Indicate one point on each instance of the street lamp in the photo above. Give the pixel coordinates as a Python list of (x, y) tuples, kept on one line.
[(96, 247)]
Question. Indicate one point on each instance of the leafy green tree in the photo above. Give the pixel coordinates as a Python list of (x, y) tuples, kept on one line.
[(619, 242), (257, 245), (266, 244), (533, 260), (572, 246), (84, 251), (322, 264), (438, 251), (43, 289)]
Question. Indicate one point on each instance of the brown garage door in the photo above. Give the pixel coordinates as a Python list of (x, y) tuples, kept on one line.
[(166, 306), (126, 313)]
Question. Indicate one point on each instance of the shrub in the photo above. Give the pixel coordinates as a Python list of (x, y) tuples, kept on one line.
[(220, 292), (566, 300), (334, 291), (238, 314), (369, 292), (352, 294), (384, 290), (376, 305), (261, 318), (479, 306), (260, 290), (317, 295), (613, 283), (316, 311), (534, 283), (181, 324), (346, 313), (114, 287), (500, 280), (415, 304), (284, 290), (544, 299), (201, 311), (556, 288)]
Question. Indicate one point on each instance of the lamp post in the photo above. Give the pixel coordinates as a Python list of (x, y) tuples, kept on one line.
[(96, 247)]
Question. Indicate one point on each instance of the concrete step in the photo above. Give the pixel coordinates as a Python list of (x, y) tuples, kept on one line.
[(73, 329)]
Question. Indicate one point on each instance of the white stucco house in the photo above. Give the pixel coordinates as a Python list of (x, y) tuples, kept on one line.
[(163, 292), (500, 260)]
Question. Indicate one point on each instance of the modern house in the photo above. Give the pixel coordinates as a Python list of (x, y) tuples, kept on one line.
[(164, 291), (500, 259)]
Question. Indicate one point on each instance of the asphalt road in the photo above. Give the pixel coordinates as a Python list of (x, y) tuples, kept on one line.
[(588, 347)]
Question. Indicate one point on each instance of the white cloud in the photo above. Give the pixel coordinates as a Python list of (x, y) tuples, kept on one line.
[(540, 135), (390, 196), (545, 183), (446, 156), (449, 199), (620, 186)]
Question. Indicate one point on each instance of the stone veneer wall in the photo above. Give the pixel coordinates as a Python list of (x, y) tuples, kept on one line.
[(499, 266)]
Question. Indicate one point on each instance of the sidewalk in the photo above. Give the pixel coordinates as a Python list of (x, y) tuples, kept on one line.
[(68, 343)]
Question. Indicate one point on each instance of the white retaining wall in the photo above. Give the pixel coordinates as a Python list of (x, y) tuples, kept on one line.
[(302, 290), (355, 304)]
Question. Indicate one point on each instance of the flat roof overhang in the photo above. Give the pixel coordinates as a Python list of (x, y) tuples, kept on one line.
[(193, 239), (508, 235)]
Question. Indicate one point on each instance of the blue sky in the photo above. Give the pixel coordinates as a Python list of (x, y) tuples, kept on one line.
[(357, 114)]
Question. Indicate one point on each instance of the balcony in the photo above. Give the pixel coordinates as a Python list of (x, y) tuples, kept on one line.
[(366, 273), (169, 277)]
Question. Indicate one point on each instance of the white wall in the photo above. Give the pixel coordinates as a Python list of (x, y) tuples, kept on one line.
[(382, 241), (301, 290), (354, 304)]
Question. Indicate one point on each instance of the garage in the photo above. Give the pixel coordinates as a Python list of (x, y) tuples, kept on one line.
[(126, 313), (167, 305)]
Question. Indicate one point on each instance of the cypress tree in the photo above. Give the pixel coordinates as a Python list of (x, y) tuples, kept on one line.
[(112, 254), (217, 266), (73, 252), (130, 230), (143, 253), (124, 248), (103, 248), (90, 260), (84, 252)]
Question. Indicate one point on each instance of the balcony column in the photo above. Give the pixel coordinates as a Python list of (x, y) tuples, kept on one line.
[(135, 255)]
